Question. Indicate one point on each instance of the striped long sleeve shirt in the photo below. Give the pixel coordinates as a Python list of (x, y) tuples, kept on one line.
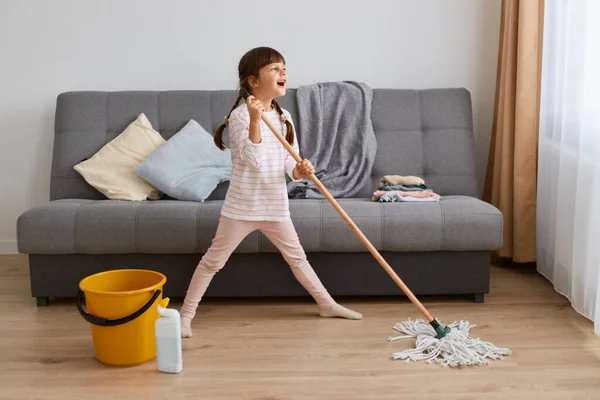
[(257, 189)]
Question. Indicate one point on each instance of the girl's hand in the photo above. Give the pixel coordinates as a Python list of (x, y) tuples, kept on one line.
[(255, 108), (303, 169)]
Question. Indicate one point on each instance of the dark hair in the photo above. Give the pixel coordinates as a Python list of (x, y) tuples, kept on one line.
[(250, 65)]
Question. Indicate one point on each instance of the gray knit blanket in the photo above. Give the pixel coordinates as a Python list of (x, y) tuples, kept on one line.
[(337, 136)]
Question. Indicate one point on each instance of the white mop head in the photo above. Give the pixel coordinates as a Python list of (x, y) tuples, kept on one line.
[(455, 349)]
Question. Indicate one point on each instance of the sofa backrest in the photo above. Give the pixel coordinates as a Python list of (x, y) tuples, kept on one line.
[(427, 133)]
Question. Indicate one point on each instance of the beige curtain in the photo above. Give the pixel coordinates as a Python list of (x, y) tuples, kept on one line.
[(511, 182)]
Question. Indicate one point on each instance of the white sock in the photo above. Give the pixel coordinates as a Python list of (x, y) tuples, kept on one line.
[(186, 327), (337, 310)]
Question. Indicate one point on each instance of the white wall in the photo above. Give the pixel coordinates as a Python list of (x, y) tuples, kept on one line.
[(48, 47)]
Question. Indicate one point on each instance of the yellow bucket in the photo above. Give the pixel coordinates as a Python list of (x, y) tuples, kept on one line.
[(122, 310)]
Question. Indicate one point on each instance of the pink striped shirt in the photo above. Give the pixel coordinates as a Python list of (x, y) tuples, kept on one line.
[(257, 189)]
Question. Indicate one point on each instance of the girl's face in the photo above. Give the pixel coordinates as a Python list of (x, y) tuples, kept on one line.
[(271, 82)]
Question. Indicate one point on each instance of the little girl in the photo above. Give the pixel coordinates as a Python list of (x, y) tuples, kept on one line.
[(257, 197)]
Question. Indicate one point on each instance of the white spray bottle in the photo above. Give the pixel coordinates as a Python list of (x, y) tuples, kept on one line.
[(168, 339)]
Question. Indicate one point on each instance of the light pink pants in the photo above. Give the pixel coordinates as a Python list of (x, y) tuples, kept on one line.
[(230, 233)]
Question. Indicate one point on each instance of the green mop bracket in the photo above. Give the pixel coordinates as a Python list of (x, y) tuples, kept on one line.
[(441, 331)]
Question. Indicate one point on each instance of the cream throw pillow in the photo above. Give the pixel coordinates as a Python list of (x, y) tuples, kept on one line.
[(110, 170)]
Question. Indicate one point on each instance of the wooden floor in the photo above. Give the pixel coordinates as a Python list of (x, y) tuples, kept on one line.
[(281, 350)]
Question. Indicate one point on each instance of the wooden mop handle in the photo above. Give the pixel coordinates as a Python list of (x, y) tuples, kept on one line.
[(349, 221)]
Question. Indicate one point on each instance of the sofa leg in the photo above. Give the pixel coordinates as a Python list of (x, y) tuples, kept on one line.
[(478, 297), (42, 301)]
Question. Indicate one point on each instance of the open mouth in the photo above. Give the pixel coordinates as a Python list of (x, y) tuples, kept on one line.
[(281, 83)]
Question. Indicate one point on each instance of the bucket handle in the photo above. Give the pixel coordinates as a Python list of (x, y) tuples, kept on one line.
[(92, 319)]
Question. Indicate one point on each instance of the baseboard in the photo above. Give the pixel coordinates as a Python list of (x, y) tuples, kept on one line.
[(8, 247)]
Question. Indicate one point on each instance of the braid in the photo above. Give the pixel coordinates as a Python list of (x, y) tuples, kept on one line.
[(219, 133), (289, 128)]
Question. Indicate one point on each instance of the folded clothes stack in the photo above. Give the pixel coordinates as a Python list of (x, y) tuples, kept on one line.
[(394, 188)]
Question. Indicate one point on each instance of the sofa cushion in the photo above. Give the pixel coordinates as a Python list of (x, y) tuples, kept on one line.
[(455, 223), (188, 166), (426, 133), (110, 170)]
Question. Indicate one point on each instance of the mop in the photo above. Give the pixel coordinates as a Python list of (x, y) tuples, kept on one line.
[(434, 341)]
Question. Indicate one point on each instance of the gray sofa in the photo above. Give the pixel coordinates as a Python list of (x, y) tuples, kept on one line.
[(436, 248)]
